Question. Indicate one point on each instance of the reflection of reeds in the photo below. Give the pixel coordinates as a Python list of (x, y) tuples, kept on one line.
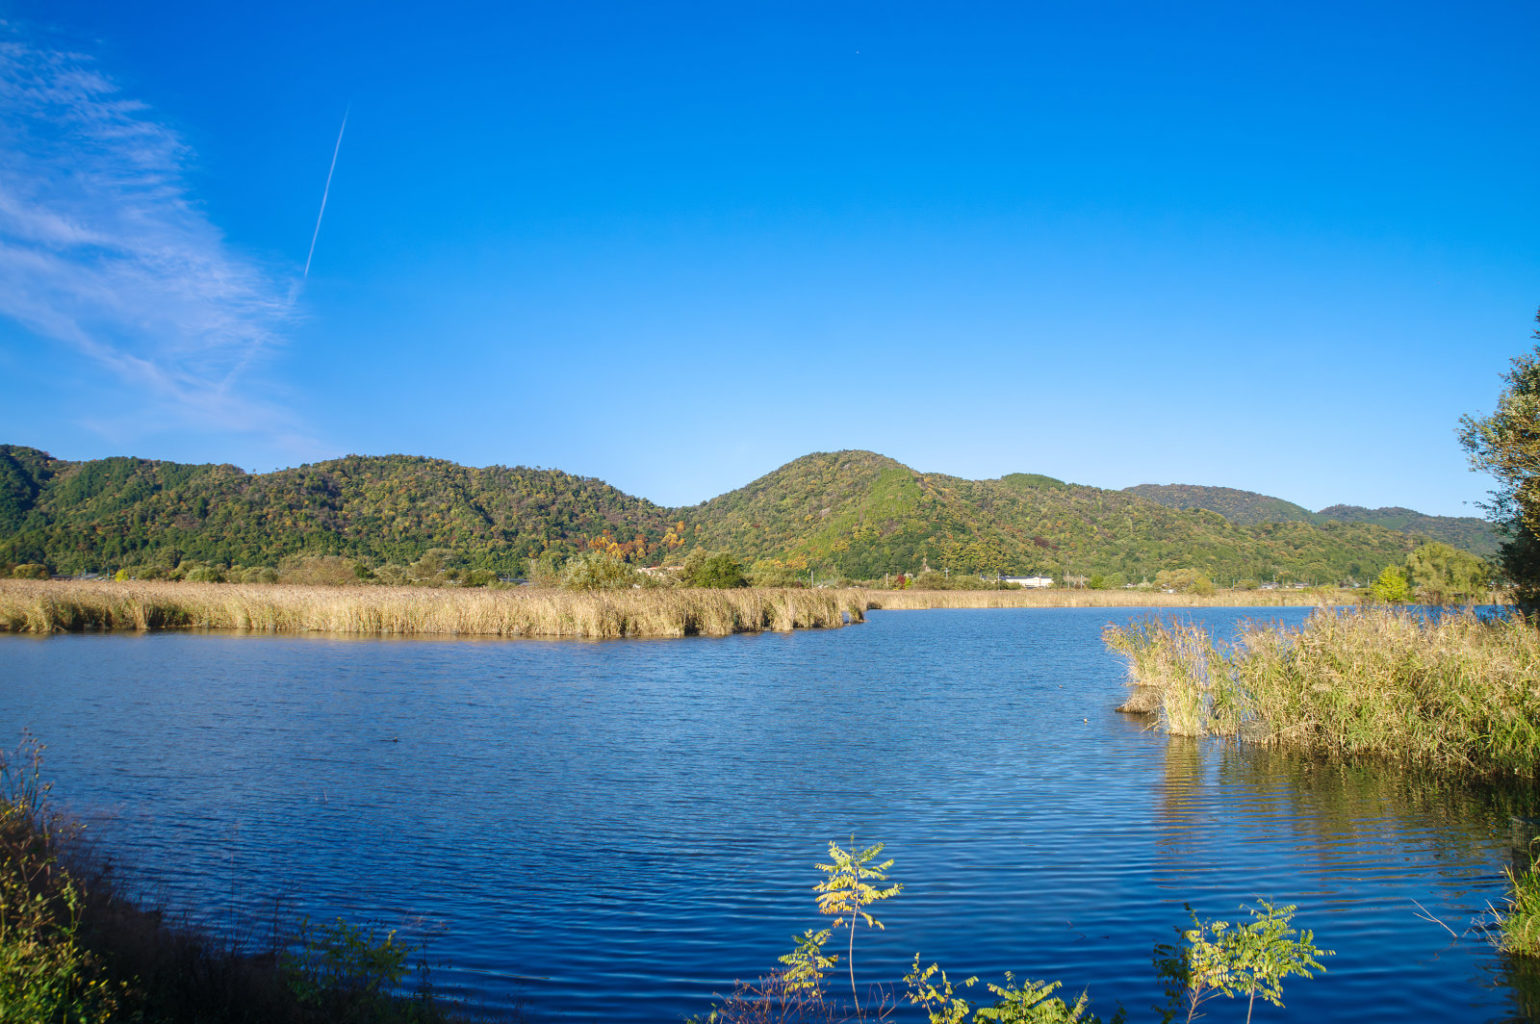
[(59, 606), (1452, 692), (908, 600)]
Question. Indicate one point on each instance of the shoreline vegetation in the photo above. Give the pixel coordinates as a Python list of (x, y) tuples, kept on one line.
[(1062, 597), (853, 515), (61, 606), (75, 606), (1210, 960), (1449, 691), (73, 948), (1445, 692)]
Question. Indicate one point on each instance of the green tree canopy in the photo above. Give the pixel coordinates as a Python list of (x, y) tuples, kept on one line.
[(1184, 581), (1392, 586), (719, 571), (1442, 574), (595, 570), (1507, 445)]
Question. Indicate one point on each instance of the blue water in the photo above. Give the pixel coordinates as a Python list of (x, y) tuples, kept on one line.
[(617, 830)]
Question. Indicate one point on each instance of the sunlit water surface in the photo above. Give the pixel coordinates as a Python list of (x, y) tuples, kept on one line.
[(618, 830)]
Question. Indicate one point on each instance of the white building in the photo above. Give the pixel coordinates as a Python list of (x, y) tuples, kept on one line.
[(1030, 582)]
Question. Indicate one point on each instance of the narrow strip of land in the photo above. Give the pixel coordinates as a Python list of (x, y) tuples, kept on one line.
[(56, 606)]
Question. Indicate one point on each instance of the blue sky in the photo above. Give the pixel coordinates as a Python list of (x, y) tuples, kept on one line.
[(1279, 248)]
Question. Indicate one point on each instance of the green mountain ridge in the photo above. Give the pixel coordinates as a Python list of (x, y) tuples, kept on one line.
[(856, 513), (118, 511), (864, 514), (1250, 508)]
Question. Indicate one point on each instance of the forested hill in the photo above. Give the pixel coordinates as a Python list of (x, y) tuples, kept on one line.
[(865, 514), (107, 513), (1246, 508), (851, 512), (1468, 532), (1249, 508)]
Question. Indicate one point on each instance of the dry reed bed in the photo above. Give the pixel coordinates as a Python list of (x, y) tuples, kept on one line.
[(908, 600), (1454, 692), (68, 606)]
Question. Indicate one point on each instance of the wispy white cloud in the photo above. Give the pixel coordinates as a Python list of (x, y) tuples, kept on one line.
[(104, 249)]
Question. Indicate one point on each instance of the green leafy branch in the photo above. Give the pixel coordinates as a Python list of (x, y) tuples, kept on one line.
[(1219, 958), (848, 891)]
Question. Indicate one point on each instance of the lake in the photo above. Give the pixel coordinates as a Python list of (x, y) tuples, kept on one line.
[(619, 829)]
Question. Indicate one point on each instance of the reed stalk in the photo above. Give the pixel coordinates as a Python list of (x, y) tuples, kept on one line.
[(28, 606), (908, 600), (1449, 692)]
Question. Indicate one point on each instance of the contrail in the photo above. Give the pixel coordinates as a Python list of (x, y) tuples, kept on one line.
[(326, 192)]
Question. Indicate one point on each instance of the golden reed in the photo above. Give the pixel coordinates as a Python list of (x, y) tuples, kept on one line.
[(906, 600), (53, 606), (1453, 691)]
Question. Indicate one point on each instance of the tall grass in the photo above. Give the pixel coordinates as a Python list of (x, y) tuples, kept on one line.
[(907, 600), (53, 606), (64, 606), (1451, 692), (1180, 674), (1518, 928)]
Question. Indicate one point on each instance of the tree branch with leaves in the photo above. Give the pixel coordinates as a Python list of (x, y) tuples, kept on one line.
[(847, 891)]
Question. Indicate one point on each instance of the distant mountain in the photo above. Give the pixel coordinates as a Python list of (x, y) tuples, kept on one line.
[(1472, 534), (1245, 508), (1249, 508), (112, 512), (865, 514), (852, 512)]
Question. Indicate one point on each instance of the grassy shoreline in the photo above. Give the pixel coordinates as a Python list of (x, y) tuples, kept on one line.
[(909, 600), (1451, 692), (75, 606), (62, 606)]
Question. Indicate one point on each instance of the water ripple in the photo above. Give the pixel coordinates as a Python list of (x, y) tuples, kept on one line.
[(620, 830)]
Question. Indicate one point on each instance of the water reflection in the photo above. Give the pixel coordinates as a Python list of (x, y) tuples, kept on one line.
[(1353, 845), (615, 831)]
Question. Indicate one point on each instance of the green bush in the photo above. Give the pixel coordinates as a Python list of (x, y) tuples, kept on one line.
[(1392, 586), (46, 973), (343, 962), (1519, 928), (1443, 574), (1217, 958), (30, 571), (933, 580), (595, 570), (719, 571), (1184, 581), (318, 570), (1213, 958), (545, 569), (432, 569), (141, 572), (392, 574), (772, 572)]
